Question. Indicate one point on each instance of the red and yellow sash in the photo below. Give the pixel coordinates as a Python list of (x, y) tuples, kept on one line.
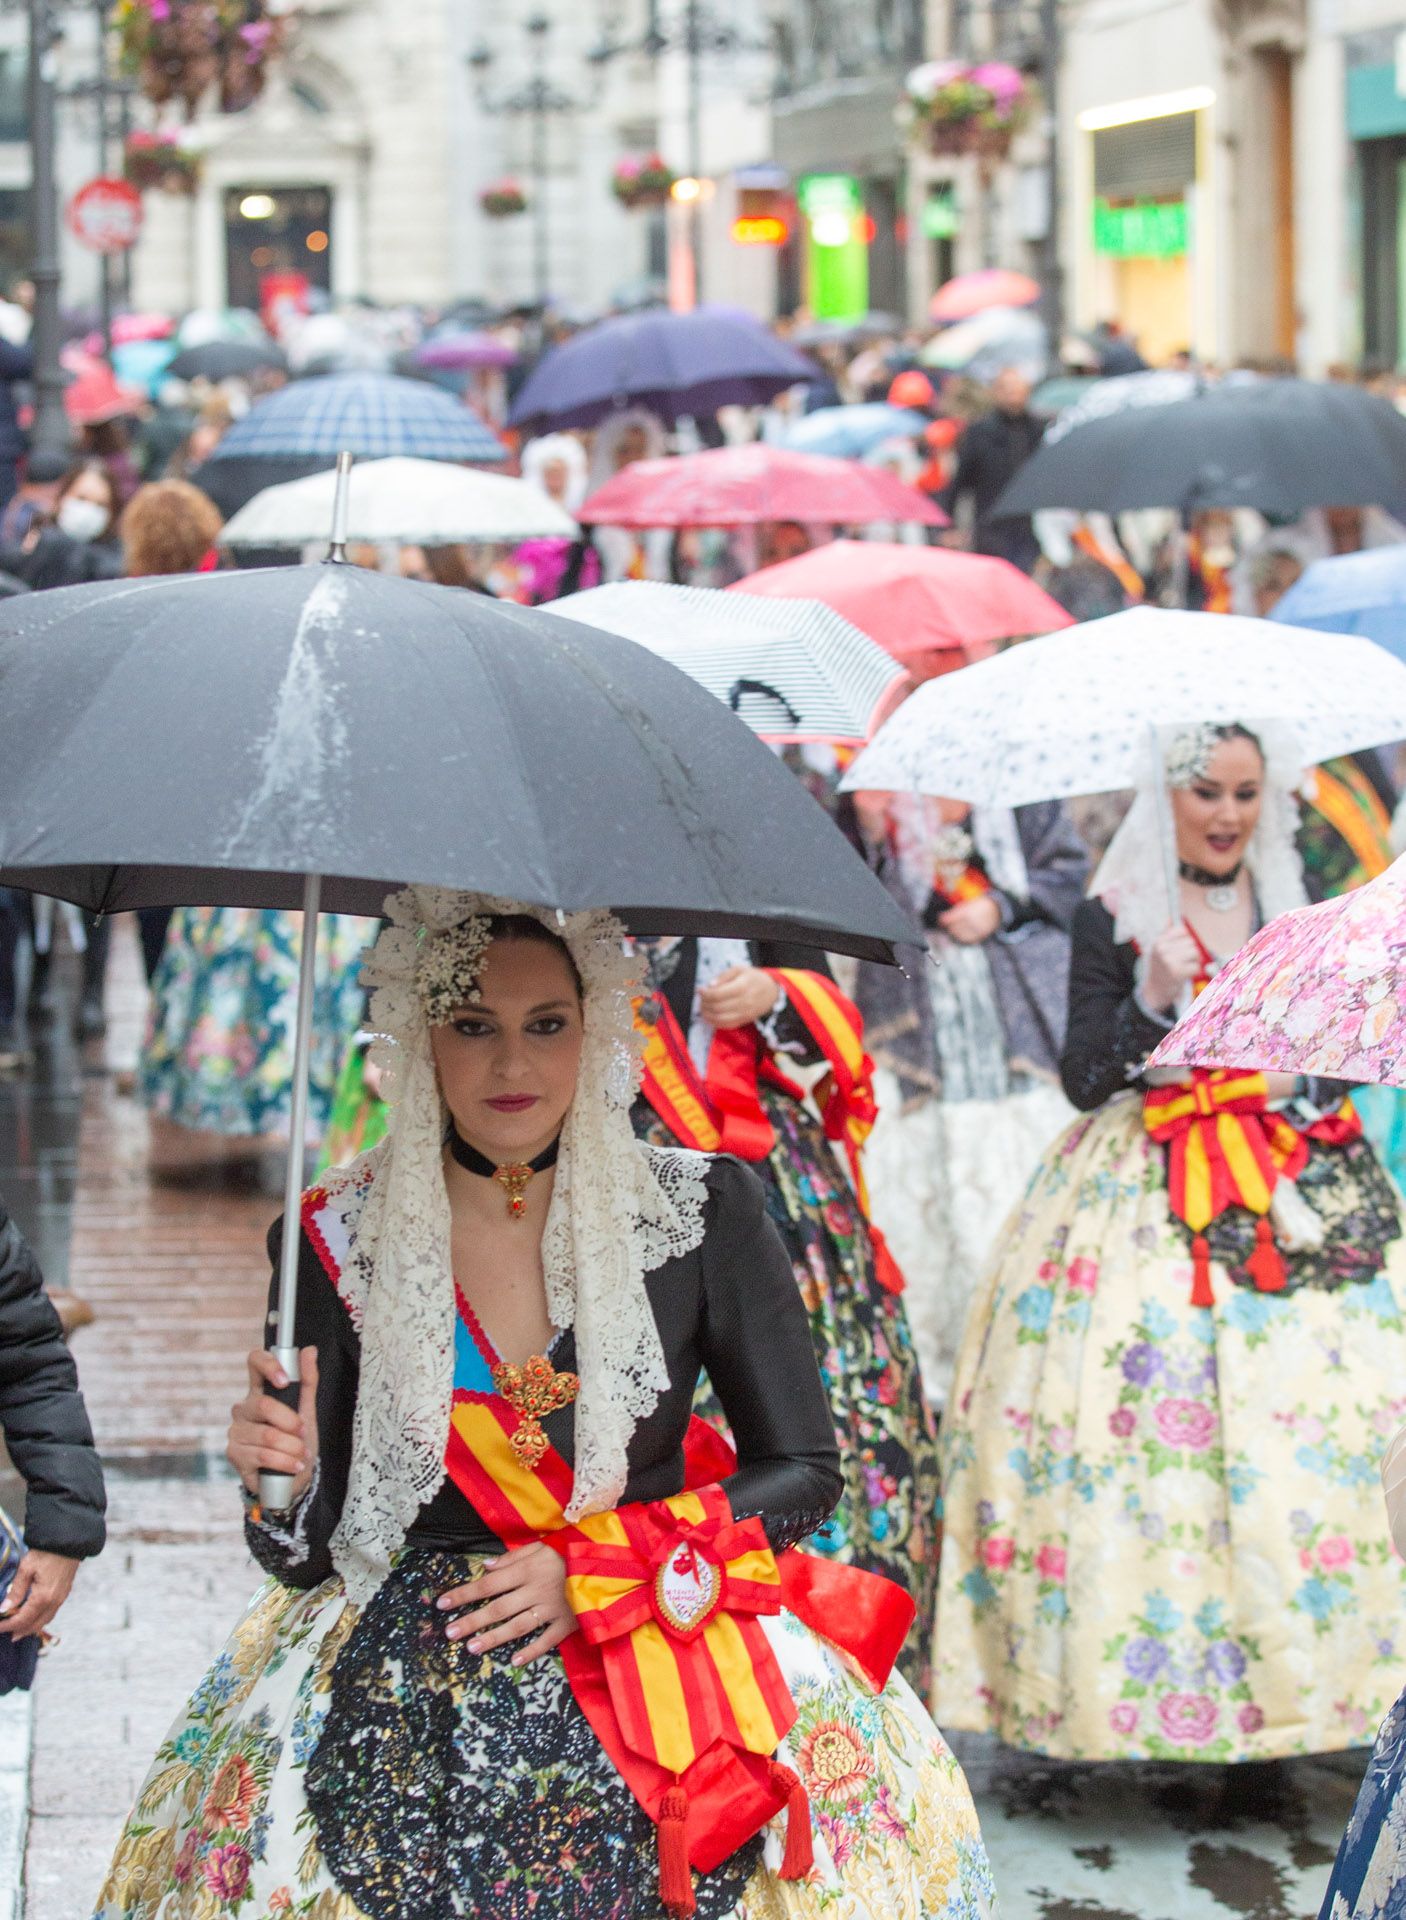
[(670, 1664), (723, 1113), (1226, 1149), (967, 883)]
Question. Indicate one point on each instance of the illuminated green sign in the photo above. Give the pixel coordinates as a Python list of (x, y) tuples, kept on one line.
[(836, 245), (940, 214), (1151, 230)]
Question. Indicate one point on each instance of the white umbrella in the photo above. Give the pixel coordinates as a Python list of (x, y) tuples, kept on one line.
[(792, 669), (400, 502), (1073, 712)]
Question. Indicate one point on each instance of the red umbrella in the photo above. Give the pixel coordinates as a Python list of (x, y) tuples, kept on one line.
[(744, 486), (96, 395), (972, 293), (916, 600)]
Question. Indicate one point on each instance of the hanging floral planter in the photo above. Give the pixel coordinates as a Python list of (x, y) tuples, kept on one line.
[(159, 161), (501, 199), (642, 180), (181, 49), (968, 108)]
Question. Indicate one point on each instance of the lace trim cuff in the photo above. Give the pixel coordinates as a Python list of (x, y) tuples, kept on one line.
[(291, 1541)]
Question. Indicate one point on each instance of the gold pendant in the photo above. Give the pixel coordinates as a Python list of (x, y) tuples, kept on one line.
[(531, 1390), (513, 1180)]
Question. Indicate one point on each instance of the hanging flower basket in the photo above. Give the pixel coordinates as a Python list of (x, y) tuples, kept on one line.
[(158, 161), (502, 199), (966, 108), (642, 180), (180, 49)]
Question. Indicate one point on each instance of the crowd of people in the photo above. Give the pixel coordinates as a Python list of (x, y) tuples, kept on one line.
[(888, 1290)]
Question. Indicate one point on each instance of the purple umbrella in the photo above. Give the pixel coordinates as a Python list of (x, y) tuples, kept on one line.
[(459, 349), (672, 363)]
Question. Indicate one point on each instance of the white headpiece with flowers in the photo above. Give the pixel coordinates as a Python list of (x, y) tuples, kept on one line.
[(1132, 876), (618, 1210)]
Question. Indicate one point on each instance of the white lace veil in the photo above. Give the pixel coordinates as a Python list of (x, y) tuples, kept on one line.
[(618, 1211), (1132, 876)]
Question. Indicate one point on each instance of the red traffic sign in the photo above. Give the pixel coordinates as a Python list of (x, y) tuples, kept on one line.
[(106, 215)]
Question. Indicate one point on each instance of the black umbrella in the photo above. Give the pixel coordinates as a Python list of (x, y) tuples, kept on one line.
[(1280, 445), (227, 360), (314, 736)]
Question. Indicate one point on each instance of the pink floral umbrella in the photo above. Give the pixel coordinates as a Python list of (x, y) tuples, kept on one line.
[(1320, 990)]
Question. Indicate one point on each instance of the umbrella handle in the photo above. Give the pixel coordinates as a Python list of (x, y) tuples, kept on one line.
[(276, 1489), (741, 687)]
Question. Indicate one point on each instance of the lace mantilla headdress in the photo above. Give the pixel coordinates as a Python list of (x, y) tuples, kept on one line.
[(618, 1211), (1132, 876)]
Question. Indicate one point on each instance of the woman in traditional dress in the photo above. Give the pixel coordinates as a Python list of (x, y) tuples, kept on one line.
[(1162, 1535), (534, 1641), (966, 1040), (218, 1054), (728, 1027)]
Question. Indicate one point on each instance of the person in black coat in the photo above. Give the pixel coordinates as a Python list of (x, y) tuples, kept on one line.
[(16, 363), (49, 1439), (990, 453)]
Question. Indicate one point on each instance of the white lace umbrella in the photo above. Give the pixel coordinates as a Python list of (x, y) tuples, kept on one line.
[(1072, 712), (792, 669), (403, 502)]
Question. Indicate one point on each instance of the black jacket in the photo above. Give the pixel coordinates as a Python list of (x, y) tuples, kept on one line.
[(1109, 1036), (730, 1306), (991, 452), (16, 363), (42, 1412)]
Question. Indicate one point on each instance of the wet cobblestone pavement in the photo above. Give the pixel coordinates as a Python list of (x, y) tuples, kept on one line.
[(176, 1273)]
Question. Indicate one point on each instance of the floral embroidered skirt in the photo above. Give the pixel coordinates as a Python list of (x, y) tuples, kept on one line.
[(1164, 1527), (1369, 1875), (343, 1766), (888, 1521), (218, 1054)]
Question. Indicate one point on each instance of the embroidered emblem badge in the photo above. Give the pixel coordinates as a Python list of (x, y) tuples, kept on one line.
[(687, 1590)]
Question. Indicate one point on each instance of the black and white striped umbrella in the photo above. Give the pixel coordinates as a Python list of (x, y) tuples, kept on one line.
[(792, 669)]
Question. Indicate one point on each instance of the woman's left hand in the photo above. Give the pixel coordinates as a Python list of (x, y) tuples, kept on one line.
[(523, 1592), (737, 998)]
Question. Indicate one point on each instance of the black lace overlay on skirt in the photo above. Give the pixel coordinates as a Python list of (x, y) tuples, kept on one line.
[(448, 1784), (1354, 1198)]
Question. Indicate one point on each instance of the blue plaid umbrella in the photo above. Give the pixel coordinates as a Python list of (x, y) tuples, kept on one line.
[(373, 415), (301, 430)]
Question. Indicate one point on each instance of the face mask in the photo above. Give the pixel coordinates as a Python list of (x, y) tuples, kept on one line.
[(82, 519)]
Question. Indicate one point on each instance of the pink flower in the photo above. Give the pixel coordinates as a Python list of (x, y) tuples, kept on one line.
[(1185, 1424), (1050, 1563), (1048, 1272), (1123, 1718), (1122, 1421), (1082, 1275), (1335, 1552), (998, 1553), (1188, 1719), (1249, 1719), (185, 1859), (227, 1871)]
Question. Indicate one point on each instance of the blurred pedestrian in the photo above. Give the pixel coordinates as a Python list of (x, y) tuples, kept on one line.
[(80, 542), (992, 451), (36, 498), (16, 363), (12, 926)]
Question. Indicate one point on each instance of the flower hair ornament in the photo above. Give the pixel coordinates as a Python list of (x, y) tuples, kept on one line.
[(618, 1210), (1188, 755)]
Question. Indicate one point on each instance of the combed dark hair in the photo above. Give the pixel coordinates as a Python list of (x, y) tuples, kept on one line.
[(525, 926)]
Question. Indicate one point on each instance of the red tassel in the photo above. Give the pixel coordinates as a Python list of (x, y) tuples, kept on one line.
[(1265, 1265), (799, 1857), (887, 1271), (1201, 1295), (675, 1878)]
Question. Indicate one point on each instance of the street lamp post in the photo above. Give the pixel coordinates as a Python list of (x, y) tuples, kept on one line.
[(538, 100), (696, 33), (49, 433)]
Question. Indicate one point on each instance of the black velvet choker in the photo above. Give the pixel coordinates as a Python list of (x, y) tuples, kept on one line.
[(1203, 877), (512, 1178)]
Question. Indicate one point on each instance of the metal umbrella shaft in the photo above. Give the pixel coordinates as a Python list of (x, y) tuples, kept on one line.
[(276, 1489)]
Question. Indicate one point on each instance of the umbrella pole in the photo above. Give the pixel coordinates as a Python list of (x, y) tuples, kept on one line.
[(276, 1489)]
